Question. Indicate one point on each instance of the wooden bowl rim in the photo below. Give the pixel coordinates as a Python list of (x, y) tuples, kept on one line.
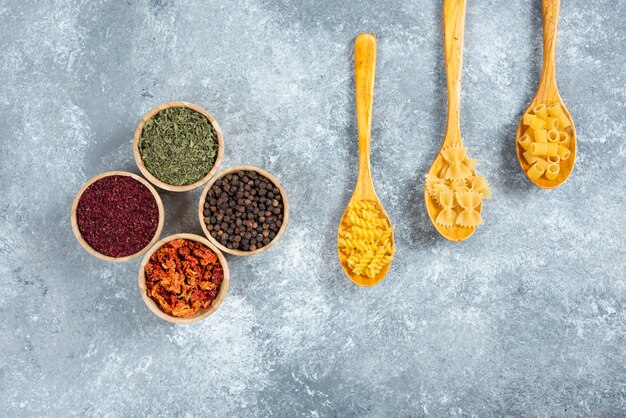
[(88, 247), (267, 175), (137, 155), (204, 313)]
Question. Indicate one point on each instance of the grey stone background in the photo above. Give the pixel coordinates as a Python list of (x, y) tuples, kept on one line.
[(526, 318)]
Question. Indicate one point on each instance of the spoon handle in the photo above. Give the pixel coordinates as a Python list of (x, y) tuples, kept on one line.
[(364, 71), (550, 14), (453, 32)]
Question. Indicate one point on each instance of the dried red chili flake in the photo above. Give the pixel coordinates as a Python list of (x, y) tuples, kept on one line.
[(183, 276), (117, 216)]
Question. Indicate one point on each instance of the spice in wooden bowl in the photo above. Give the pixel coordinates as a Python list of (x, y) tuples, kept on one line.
[(117, 216), (183, 278), (244, 210), (178, 146)]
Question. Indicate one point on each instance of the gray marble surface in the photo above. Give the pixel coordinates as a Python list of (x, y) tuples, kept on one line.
[(527, 318)]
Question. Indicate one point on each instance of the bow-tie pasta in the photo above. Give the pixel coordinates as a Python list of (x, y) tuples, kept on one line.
[(431, 182), (446, 217), (469, 216), (457, 190), (479, 185), (456, 157)]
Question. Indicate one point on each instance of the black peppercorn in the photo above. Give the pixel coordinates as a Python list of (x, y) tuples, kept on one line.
[(243, 210)]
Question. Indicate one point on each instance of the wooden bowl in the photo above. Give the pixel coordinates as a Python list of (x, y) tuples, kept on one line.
[(79, 236), (264, 174), (156, 181), (203, 313)]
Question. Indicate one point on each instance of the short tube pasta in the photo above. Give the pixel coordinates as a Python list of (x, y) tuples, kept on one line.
[(528, 117), (541, 135), (535, 171), (552, 172), (564, 122), (537, 124), (541, 163), (530, 157), (541, 111), (525, 141), (563, 153), (552, 123), (539, 148), (552, 149), (545, 142), (553, 135), (555, 110)]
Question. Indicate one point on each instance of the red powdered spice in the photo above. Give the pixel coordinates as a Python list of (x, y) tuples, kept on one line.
[(117, 216), (183, 276)]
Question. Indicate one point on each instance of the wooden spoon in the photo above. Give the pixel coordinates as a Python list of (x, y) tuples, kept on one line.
[(453, 31), (364, 71), (549, 93)]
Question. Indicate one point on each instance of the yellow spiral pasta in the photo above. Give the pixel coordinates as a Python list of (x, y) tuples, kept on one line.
[(365, 241)]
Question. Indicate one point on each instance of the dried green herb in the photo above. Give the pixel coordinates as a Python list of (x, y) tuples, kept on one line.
[(178, 146)]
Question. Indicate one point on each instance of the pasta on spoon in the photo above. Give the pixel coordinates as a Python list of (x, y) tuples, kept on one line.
[(457, 189), (365, 240)]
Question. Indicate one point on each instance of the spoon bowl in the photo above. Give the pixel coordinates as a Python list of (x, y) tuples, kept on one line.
[(567, 166), (358, 196), (548, 94), (364, 69)]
